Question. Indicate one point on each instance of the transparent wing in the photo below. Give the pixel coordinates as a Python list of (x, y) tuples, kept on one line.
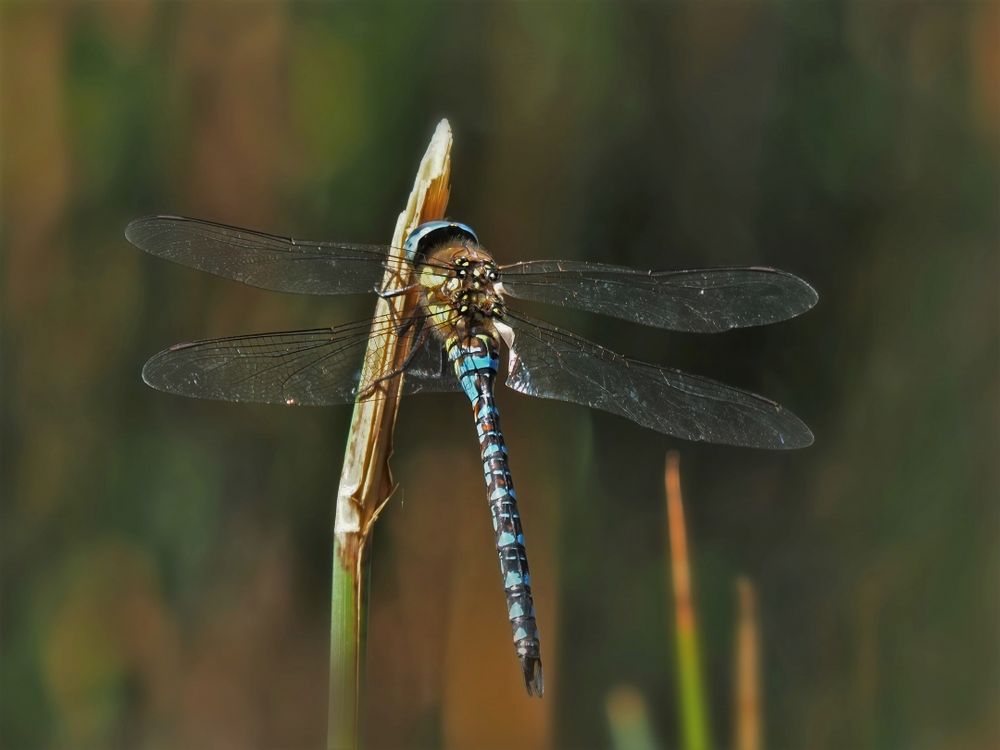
[(551, 363), (315, 368), (705, 301), (263, 260), (429, 370)]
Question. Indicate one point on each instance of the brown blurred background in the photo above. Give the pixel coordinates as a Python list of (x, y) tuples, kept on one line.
[(166, 562)]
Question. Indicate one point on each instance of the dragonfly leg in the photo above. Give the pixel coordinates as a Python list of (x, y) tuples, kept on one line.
[(418, 343), (401, 327), (393, 292)]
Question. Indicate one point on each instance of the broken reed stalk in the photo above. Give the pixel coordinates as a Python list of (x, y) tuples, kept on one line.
[(748, 725), (365, 481), (694, 715)]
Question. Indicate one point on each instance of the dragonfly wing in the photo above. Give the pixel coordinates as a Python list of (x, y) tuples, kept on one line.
[(430, 371), (551, 363), (314, 368), (262, 260), (704, 301)]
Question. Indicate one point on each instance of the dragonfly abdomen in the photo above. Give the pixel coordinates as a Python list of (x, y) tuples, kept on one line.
[(476, 360)]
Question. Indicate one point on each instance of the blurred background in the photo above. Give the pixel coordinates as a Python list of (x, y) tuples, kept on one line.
[(166, 562)]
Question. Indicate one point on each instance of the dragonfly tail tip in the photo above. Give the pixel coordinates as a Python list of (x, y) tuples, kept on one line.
[(533, 682)]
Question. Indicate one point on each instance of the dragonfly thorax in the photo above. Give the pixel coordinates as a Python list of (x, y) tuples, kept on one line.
[(461, 283)]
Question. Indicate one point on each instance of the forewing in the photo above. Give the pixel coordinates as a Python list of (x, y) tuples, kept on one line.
[(551, 363), (263, 260), (702, 301), (317, 367)]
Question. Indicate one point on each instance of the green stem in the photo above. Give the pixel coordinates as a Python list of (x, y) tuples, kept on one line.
[(365, 480), (694, 717), (346, 649)]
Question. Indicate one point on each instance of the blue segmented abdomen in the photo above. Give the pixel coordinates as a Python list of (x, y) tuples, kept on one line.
[(476, 360)]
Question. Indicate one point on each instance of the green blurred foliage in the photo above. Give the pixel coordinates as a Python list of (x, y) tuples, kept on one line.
[(165, 563)]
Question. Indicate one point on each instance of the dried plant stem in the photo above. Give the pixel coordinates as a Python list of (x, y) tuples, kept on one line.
[(365, 481), (694, 716), (748, 725)]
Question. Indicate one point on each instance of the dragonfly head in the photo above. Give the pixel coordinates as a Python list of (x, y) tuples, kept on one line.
[(464, 278)]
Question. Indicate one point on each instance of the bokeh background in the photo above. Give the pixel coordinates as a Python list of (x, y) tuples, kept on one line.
[(166, 562)]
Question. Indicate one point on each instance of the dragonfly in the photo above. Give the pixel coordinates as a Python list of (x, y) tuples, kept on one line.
[(461, 324)]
